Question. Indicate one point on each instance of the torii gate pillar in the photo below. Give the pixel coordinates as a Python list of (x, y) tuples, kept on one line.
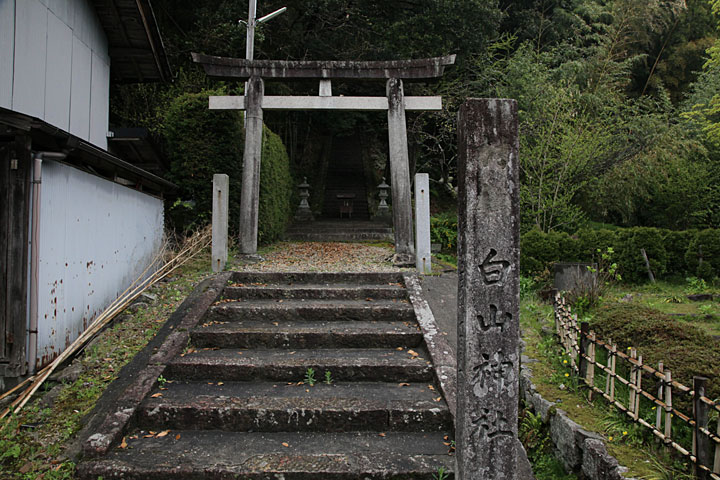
[(251, 167), (400, 173)]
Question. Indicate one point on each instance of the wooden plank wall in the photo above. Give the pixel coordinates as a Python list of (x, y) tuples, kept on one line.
[(15, 183)]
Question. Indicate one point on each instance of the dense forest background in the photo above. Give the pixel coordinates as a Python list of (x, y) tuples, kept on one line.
[(619, 99)]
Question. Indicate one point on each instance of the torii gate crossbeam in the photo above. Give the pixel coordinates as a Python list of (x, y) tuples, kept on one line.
[(395, 103)]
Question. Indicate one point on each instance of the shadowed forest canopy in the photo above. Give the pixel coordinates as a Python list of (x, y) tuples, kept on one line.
[(618, 98)]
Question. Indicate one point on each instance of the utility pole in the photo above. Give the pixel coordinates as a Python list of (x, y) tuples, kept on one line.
[(250, 38)]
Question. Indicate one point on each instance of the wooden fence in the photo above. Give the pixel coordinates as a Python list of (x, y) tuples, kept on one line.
[(595, 361)]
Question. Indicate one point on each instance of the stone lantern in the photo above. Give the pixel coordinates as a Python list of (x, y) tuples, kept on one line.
[(383, 210), (304, 214)]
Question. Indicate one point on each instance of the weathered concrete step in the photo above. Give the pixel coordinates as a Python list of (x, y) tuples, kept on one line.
[(307, 334), (345, 364), (294, 278), (310, 228), (273, 407), (337, 236), (315, 292), (320, 310), (270, 456)]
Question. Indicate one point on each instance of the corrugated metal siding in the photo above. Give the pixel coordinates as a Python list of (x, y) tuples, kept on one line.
[(59, 67), (96, 237), (7, 42)]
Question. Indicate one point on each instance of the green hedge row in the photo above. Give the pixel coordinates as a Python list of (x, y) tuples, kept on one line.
[(671, 253), (203, 142)]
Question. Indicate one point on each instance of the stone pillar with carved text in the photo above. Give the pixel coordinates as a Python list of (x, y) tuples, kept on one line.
[(250, 195), (488, 295), (400, 174)]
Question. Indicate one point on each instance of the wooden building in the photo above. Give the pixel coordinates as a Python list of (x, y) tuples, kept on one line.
[(77, 224)]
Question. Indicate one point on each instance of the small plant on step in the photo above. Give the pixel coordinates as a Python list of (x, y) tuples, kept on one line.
[(310, 377), (162, 381), (328, 377), (441, 474)]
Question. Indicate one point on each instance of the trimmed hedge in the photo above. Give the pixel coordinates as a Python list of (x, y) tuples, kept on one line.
[(671, 253), (201, 143)]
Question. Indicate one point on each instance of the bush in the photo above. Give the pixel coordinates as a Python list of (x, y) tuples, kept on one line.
[(676, 244), (707, 241), (684, 349), (202, 143), (540, 250), (630, 259), (444, 230)]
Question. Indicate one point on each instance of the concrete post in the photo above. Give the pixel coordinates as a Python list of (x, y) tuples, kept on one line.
[(423, 259), (221, 188), (400, 173), (249, 197), (488, 295)]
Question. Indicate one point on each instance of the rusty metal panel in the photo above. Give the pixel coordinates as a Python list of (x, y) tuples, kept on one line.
[(96, 237)]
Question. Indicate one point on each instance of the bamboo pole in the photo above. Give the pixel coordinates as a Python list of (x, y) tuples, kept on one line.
[(658, 413), (608, 369), (613, 375), (668, 405), (631, 387), (638, 383), (716, 466), (192, 247), (591, 366)]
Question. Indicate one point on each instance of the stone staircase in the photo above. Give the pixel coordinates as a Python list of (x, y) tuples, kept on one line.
[(339, 231), (237, 401), (346, 175)]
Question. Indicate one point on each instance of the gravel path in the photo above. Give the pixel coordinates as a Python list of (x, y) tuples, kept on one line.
[(323, 257)]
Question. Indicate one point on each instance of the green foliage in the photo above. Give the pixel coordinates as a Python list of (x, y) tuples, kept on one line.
[(310, 377), (705, 245), (632, 265), (671, 253), (203, 142), (676, 244), (444, 230), (535, 437), (684, 349)]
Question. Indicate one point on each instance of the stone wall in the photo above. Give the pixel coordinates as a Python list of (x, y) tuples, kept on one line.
[(580, 451)]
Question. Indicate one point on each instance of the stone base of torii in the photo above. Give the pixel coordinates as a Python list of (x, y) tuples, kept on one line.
[(395, 103)]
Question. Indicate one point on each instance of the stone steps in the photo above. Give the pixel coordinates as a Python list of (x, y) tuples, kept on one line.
[(356, 364), (316, 292), (319, 310), (339, 236), (306, 334), (217, 455), (282, 407), (237, 403)]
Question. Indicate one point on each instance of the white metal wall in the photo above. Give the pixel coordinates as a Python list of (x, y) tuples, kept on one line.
[(54, 65), (96, 237)]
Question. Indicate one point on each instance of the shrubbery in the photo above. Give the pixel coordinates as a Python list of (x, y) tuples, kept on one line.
[(202, 143), (684, 349), (671, 253), (443, 230)]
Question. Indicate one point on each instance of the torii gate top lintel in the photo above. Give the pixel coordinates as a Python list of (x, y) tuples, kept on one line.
[(228, 67)]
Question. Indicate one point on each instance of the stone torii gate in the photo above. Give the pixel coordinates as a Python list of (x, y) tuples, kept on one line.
[(395, 103)]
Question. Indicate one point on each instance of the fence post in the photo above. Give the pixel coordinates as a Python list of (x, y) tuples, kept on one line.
[(638, 382), (591, 367), (423, 259), (221, 186), (612, 360), (701, 442), (658, 414), (668, 407), (583, 363), (716, 467), (632, 393)]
